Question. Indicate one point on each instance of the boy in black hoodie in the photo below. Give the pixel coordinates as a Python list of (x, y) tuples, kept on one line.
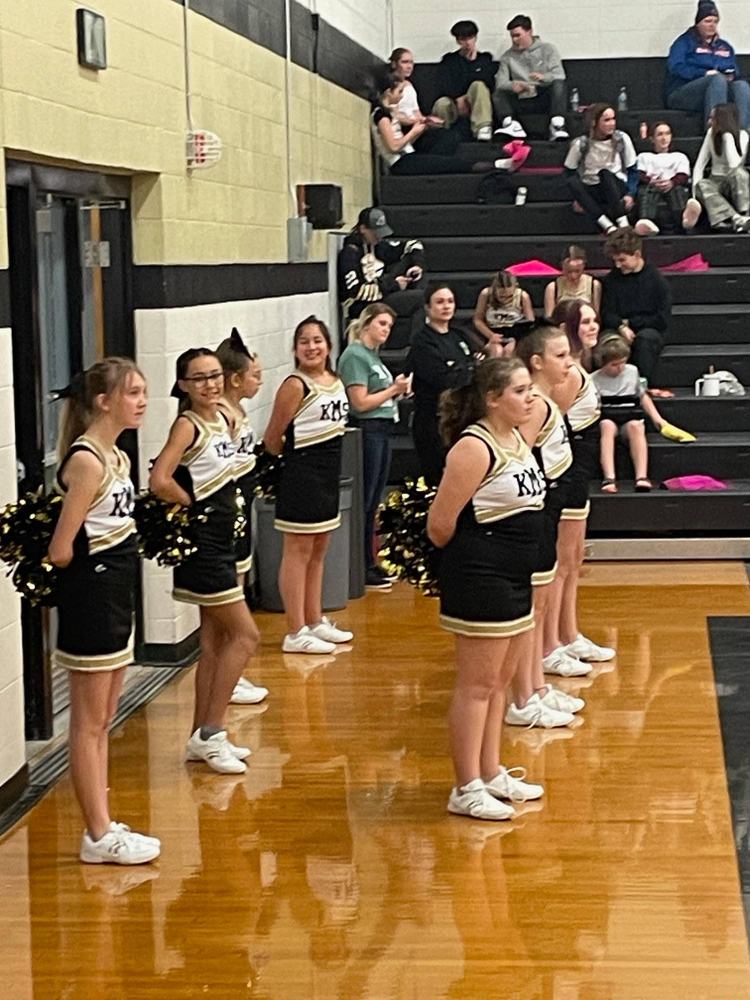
[(466, 79)]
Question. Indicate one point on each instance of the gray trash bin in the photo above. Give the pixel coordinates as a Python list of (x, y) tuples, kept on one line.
[(268, 556)]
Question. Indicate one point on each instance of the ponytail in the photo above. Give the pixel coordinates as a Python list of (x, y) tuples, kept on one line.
[(368, 314), (79, 412), (466, 404)]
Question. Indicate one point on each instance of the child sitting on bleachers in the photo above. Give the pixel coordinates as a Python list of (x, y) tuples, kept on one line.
[(625, 404), (663, 186)]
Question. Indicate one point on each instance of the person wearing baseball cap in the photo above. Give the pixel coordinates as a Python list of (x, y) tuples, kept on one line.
[(702, 70), (374, 219)]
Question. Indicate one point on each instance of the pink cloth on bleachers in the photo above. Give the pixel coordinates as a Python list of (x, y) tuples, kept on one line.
[(695, 262), (693, 483), (529, 268)]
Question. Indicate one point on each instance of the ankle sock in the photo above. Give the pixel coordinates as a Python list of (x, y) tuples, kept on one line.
[(208, 731)]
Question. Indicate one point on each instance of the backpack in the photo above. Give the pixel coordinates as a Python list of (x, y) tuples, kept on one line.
[(496, 188), (619, 148)]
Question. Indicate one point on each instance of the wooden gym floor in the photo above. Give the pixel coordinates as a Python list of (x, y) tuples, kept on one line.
[(331, 870)]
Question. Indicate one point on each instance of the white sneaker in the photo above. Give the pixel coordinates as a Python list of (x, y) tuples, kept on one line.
[(564, 664), (510, 785), (474, 800), (561, 701), (327, 631), (584, 649), (536, 713), (557, 130), (118, 847), (741, 223), (484, 134), (217, 752), (247, 693), (241, 753), (512, 128), (645, 227), (692, 213), (124, 828), (305, 641)]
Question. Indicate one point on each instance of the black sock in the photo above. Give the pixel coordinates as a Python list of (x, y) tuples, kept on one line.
[(208, 731)]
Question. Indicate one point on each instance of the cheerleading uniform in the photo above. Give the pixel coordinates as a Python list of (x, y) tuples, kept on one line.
[(486, 568), (555, 457), (206, 473), (583, 417), (307, 501), (244, 464), (96, 590)]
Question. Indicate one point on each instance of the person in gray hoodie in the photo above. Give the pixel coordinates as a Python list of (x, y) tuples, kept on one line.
[(530, 79)]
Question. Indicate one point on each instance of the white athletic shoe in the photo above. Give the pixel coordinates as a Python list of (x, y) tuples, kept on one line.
[(124, 828), (247, 693), (536, 713), (241, 753), (557, 130), (327, 631), (118, 847), (584, 649), (305, 641), (484, 134), (510, 127), (510, 784), (564, 664), (474, 800), (562, 702), (217, 752), (645, 227), (692, 213)]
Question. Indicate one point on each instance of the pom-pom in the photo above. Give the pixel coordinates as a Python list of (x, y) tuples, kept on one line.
[(240, 518), (405, 549), (26, 529), (166, 530), (266, 473)]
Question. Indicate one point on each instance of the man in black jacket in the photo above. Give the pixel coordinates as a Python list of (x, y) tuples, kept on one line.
[(375, 267), (635, 301), (466, 79)]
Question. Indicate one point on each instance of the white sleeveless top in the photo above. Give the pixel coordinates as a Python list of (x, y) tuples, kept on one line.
[(514, 483), (321, 415), (586, 408), (553, 443), (109, 519), (210, 458), (244, 448)]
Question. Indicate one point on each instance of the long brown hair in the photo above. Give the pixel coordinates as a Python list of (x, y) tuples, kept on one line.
[(101, 379), (593, 115), (465, 405), (313, 320), (725, 120), (504, 281)]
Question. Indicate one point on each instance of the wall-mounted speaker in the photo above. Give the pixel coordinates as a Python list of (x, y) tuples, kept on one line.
[(322, 204)]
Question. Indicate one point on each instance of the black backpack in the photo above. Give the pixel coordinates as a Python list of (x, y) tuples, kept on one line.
[(496, 188)]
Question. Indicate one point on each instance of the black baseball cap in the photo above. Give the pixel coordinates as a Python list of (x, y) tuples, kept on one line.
[(374, 218)]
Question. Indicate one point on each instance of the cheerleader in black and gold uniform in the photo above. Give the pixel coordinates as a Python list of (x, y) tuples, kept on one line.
[(487, 516), (242, 380), (196, 468), (306, 425), (94, 548)]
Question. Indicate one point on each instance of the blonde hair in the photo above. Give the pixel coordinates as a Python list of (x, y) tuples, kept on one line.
[(368, 314), (102, 378)]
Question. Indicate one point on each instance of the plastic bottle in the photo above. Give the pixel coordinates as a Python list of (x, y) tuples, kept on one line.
[(575, 99), (622, 99)]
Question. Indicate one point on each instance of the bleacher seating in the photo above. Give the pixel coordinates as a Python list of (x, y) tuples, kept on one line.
[(465, 242)]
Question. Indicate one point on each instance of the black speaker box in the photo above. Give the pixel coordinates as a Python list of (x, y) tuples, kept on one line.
[(323, 205)]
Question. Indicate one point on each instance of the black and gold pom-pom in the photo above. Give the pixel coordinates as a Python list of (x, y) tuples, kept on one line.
[(166, 531), (26, 528), (405, 549), (240, 517), (266, 473)]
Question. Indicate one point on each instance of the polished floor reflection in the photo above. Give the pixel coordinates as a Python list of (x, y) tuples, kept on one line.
[(331, 871)]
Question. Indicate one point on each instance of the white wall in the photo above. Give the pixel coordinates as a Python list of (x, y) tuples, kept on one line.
[(586, 28), (12, 749), (160, 336), (366, 24)]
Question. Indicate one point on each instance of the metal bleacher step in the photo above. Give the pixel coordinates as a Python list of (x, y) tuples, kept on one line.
[(501, 249), (682, 364), (664, 513)]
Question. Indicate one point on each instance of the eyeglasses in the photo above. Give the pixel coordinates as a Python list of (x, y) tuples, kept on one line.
[(202, 380)]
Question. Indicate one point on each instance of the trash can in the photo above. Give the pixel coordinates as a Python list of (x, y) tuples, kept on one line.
[(351, 466), (268, 544)]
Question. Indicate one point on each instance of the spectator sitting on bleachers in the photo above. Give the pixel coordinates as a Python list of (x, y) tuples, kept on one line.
[(373, 266), (530, 79), (663, 191), (636, 301), (466, 79), (600, 167), (500, 307), (573, 283), (702, 69), (436, 138), (726, 192)]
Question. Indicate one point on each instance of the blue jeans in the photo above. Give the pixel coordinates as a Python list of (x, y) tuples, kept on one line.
[(706, 92), (376, 464)]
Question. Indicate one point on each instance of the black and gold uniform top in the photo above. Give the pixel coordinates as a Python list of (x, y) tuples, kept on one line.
[(321, 415), (586, 408), (208, 464), (109, 519), (514, 483), (552, 446)]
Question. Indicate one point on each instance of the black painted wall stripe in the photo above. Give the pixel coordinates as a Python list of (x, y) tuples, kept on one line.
[(4, 299)]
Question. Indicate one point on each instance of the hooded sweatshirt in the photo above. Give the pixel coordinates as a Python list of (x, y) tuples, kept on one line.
[(690, 58), (518, 65)]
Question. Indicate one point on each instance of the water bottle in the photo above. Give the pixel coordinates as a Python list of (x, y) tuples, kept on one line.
[(575, 100), (622, 99)]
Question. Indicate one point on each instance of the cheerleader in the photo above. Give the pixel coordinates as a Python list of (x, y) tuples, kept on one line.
[(195, 468), (242, 380), (487, 517), (546, 353), (306, 425), (94, 548), (579, 400)]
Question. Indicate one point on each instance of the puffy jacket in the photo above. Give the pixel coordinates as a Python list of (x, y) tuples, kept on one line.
[(690, 58)]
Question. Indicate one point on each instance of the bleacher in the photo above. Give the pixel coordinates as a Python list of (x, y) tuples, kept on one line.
[(466, 242)]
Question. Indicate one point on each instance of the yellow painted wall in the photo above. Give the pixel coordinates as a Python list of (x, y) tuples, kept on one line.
[(131, 117)]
